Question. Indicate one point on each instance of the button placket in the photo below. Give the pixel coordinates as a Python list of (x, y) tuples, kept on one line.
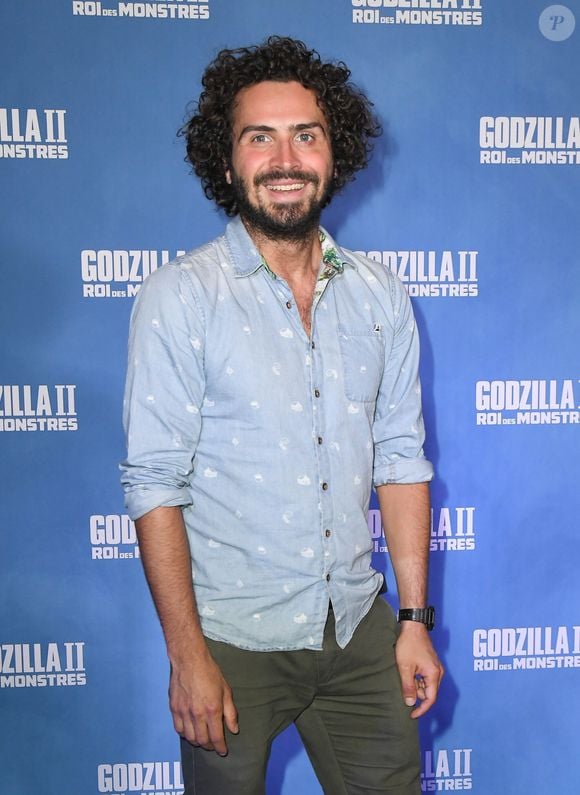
[(323, 461)]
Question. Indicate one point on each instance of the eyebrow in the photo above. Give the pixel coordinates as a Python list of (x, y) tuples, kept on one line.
[(309, 125)]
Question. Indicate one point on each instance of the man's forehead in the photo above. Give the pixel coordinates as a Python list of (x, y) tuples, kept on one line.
[(288, 102)]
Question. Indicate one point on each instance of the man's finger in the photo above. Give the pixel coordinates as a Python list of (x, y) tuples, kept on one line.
[(427, 690), (178, 725), (201, 732), (217, 738), (420, 685), (428, 696), (230, 713), (185, 728)]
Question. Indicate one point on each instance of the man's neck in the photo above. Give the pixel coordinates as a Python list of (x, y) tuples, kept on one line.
[(296, 261)]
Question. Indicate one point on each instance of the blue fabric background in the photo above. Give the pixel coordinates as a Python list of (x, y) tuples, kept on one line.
[(124, 83)]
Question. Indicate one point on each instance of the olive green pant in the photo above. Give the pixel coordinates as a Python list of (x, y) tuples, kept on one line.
[(346, 704)]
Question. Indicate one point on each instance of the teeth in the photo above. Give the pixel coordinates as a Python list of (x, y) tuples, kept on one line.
[(295, 186)]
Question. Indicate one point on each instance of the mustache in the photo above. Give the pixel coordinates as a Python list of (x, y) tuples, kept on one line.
[(294, 175)]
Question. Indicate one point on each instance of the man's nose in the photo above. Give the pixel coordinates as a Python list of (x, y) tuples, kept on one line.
[(285, 154)]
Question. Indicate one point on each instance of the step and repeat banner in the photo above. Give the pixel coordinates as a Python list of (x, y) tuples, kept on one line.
[(472, 198)]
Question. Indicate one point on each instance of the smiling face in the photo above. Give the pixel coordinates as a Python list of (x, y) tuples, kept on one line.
[(281, 165)]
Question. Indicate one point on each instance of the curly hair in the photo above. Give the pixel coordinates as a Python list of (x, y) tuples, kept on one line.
[(208, 132)]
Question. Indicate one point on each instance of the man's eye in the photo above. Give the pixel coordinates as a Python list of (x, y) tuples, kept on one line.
[(304, 137), (260, 138)]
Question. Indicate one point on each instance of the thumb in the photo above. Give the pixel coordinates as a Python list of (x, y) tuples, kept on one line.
[(409, 688)]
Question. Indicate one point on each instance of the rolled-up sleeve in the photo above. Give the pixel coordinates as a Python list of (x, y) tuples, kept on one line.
[(163, 394), (398, 429)]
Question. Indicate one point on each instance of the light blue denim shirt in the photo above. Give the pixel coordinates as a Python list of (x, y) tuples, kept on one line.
[(268, 439)]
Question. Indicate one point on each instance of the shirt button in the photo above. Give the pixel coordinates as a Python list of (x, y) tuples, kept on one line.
[(325, 487), (313, 346), (327, 577), (327, 533), (317, 393), (320, 440), (289, 304)]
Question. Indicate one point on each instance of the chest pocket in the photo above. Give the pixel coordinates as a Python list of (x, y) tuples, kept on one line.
[(363, 358)]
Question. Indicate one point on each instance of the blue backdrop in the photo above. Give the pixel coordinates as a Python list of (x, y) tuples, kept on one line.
[(472, 197)]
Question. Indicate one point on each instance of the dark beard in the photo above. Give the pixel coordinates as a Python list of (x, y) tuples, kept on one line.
[(289, 222)]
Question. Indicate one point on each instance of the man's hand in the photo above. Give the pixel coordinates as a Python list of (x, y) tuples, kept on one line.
[(419, 667), (201, 701)]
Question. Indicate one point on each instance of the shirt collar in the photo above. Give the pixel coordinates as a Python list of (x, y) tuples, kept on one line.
[(246, 259)]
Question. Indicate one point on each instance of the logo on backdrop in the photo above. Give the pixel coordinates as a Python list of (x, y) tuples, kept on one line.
[(557, 23), (146, 778), (34, 133), (526, 648), (417, 12), (119, 273), (52, 664), (376, 530), (447, 769), (113, 537), (452, 529), (177, 9), (529, 140), (38, 408), (540, 402), (435, 274)]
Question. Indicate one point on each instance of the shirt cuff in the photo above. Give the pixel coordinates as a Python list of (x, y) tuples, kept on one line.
[(142, 499), (404, 470)]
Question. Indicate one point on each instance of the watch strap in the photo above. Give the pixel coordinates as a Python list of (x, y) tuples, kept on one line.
[(424, 615)]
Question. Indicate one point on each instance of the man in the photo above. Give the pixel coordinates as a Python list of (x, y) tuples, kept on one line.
[(272, 380)]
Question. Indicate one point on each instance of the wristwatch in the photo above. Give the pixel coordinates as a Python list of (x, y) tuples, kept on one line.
[(425, 615)]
